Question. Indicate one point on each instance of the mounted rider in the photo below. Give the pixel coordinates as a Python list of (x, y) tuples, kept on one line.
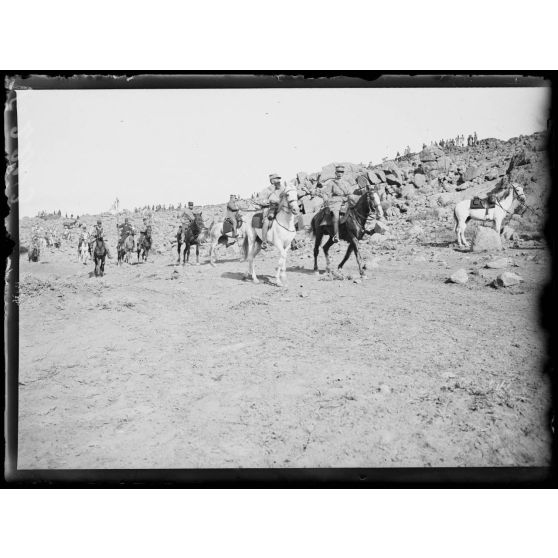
[(188, 216), (336, 191), (270, 198), (97, 232), (233, 215), (124, 230), (146, 229)]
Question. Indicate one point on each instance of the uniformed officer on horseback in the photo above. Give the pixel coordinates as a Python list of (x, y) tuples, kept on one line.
[(188, 216), (125, 230), (233, 211), (336, 191), (270, 198)]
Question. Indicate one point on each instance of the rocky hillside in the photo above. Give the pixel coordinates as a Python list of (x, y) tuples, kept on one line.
[(418, 193)]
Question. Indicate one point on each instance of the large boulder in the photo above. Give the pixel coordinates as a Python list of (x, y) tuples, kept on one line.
[(408, 191), (472, 171), (380, 228), (444, 163), (518, 159), (380, 174), (486, 240), (394, 179), (419, 180), (509, 233), (373, 177), (430, 154)]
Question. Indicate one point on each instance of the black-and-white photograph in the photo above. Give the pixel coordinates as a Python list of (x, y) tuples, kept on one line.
[(281, 277)]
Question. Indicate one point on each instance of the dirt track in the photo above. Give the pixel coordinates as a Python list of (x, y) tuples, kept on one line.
[(157, 366)]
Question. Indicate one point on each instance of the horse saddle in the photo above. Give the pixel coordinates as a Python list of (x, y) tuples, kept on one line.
[(326, 218), (228, 225), (257, 220), (480, 203)]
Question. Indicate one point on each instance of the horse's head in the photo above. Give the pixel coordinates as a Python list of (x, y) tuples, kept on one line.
[(290, 198)]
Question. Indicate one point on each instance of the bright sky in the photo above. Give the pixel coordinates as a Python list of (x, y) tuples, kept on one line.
[(80, 149)]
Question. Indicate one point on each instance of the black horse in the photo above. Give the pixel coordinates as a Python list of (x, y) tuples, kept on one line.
[(143, 246), (99, 255), (194, 234), (351, 229)]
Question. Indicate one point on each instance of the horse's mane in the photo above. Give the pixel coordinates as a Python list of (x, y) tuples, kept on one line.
[(353, 223), (501, 190)]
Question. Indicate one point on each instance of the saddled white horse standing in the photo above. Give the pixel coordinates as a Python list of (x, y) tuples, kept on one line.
[(281, 233), (505, 197)]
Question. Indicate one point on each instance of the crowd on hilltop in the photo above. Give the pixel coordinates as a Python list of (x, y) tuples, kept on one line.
[(447, 144), (458, 141)]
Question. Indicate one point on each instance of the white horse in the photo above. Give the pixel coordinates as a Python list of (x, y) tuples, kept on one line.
[(504, 199), (280, 233), (216, 237)]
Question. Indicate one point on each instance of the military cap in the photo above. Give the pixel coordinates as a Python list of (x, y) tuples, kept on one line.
[(273, 176), (190, 204), (340, 168)]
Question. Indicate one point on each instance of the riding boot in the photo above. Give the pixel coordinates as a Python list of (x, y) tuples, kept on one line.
[(265, 227), (335, 228)]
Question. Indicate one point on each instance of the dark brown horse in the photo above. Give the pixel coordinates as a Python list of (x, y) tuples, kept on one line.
[(99, 255), (143, 246), (351, 229), (194, 234)]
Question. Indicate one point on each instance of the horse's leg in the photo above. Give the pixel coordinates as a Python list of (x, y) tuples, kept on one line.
[(197, 254), (354, 245), (280, 263), (326, 248), (212, 247), (317, 243), (460, 229), (252, 247), (347, 255)]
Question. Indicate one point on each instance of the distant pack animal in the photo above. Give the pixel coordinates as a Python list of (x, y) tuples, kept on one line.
[(351, 228), (503, 196)]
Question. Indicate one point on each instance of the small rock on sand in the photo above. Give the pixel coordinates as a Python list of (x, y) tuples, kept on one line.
[(460, 276), (507, 279), (499, 263)]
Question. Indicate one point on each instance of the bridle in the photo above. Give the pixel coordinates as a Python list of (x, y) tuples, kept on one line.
[(520, 198), (290, 209)]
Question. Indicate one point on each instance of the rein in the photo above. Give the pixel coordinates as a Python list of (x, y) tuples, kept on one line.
[(288, 208)]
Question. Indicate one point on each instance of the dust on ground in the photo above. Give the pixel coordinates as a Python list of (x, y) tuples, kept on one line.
[(164, 366)]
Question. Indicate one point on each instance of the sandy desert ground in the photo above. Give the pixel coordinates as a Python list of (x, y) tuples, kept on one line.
[(164, 366)]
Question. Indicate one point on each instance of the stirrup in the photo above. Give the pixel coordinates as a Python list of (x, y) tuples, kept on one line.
[(335, 238), (264, 245)]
